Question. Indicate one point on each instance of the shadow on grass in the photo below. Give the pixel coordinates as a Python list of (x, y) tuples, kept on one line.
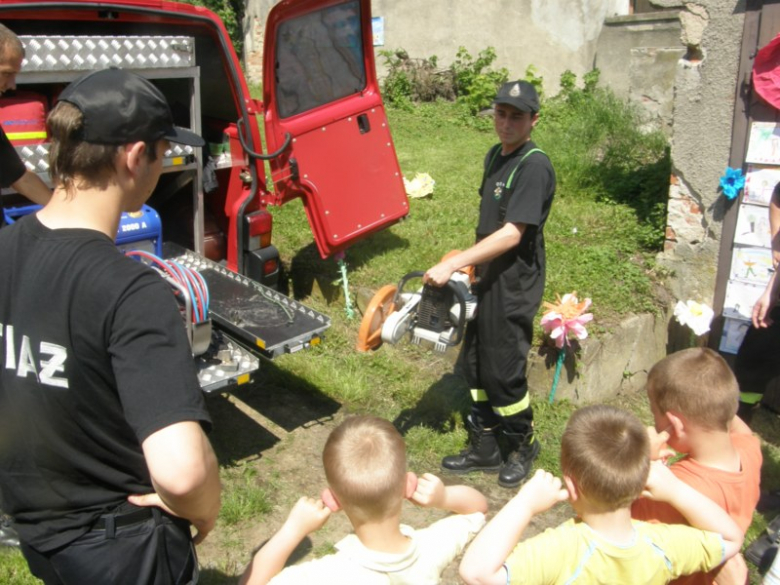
[(211, 576), (285, 399), (216, 577), (308, 269), (438, 407)]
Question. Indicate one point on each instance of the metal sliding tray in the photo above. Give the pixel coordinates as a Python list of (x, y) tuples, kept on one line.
[(256, 315)]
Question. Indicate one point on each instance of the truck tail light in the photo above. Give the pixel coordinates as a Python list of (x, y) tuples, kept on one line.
[(260, 227), (270, 266)]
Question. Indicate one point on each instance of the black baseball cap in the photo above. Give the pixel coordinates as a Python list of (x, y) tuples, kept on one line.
[(119, 107), (520, 94)]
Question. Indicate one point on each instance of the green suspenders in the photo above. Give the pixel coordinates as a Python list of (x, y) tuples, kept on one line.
[(505, 201), (512, 175)]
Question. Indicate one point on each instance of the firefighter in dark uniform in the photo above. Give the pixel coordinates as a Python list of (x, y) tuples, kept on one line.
[(517, 191), (13, 173)]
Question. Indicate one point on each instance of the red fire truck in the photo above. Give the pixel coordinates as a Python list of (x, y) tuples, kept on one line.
[(327, 143)]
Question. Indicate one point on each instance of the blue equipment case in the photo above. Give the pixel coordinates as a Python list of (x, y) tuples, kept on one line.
[(138, 230)]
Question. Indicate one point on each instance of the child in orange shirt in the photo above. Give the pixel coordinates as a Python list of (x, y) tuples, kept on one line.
[(694, 396)]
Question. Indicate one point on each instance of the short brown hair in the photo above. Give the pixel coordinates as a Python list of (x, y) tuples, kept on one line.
[(71, 159), (365, 464), (696, 383), (10, 45), (606, 451)]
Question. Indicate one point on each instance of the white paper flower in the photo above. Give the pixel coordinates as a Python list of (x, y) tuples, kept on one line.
[(420, 186), (697, 316)]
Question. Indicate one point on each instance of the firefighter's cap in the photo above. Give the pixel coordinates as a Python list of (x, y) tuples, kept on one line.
[(520, 94), (120, 107)]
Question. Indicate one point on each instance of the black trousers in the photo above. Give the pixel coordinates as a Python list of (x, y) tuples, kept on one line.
[(494, 354), (156, 551)]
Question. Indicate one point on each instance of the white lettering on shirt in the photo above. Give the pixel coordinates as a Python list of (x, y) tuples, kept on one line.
[(45, 367), (10, 356), (56, 364), (26, 359)]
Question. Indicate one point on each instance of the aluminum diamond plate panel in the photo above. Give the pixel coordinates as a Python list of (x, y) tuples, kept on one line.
[(36, 156), (86, 53)]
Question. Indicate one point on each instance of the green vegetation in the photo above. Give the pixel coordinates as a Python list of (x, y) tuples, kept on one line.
[(232, 14), (473, 82), (476, 82), (245, 499), (605, 227), (13, 568)]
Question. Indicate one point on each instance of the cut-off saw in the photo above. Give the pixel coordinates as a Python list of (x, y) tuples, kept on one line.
[(435, 314)]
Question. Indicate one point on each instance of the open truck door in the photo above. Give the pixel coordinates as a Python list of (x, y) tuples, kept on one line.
[(324, 112)]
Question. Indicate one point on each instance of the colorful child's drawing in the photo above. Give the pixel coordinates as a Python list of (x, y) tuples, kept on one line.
[(751, 265), (764, 145), (753, 227), (760, 181), (740, 298)]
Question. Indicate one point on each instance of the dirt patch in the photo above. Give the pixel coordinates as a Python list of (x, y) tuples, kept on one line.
[(280, 433)]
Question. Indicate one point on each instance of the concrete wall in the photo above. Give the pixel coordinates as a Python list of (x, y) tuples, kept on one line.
[(523, 32), (254, 33), (637, 57), (705, 84)]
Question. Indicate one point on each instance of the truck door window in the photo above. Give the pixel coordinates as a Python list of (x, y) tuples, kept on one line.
[(319, 59)]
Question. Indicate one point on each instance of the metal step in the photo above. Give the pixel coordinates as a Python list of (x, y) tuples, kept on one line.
[(226, 364)]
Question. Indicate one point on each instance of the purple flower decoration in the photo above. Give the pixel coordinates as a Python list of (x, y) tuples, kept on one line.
[(732, 182)]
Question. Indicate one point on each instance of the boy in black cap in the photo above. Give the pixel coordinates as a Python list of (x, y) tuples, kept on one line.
[(517, 190), (104, 463)]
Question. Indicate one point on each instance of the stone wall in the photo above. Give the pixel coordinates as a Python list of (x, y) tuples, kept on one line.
[(612, 363), (705, 84)]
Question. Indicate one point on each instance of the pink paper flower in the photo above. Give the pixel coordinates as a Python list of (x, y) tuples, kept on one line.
[(566, 317)]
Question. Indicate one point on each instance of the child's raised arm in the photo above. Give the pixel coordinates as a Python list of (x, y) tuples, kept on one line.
[(461, 499), (483, 563), (307, 516), (700, 511)]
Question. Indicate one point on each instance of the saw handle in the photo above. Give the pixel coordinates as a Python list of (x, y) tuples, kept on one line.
[(402, 283), (461, 328)]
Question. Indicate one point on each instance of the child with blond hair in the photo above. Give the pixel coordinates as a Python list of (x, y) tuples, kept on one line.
[(605, 460), (365, 466)]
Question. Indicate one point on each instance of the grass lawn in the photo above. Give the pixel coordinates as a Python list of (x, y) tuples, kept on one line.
[(602, 234)]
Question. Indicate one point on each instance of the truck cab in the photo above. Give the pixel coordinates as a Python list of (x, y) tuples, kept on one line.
[(327, 143)]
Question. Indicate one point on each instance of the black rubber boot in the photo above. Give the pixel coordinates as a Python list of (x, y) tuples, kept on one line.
[(525, 449), (482, 453), (8, 536)]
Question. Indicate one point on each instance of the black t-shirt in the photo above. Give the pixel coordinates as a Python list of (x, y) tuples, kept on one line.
[(523, 185), (11, 166), (94, 358)]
